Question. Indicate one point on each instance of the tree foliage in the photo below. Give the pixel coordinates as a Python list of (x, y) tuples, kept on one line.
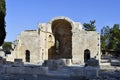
[(90, 26), (114, 38), (7, 46), (105, 33), (2, 21), (110, 37)]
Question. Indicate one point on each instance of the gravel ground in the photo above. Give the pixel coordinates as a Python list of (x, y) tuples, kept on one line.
[(109, 75), (103, 75), (37, 77)]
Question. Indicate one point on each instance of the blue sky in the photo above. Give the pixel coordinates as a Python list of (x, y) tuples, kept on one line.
[(26, 14)]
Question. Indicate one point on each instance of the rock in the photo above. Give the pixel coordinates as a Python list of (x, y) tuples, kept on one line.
[(68, 62), (92, 62), (115, 62), (18, 62)]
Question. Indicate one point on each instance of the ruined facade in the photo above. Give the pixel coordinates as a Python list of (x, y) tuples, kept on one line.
[(59, 38)]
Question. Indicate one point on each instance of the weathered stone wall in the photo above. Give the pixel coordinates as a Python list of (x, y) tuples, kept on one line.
[(46, 40), (2, 53), (27, 40), (83, 40)]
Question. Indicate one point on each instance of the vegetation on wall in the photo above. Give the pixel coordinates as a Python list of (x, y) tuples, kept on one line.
[(2, 21), (90, 26)]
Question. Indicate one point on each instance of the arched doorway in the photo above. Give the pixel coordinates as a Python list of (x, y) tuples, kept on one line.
[(61, 29), (86, 55), (27, 56)]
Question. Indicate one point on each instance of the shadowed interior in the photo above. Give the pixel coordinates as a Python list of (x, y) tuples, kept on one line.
[(63, 39)]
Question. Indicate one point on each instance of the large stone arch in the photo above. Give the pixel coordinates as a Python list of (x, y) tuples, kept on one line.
[(62, 31), (63, 18)]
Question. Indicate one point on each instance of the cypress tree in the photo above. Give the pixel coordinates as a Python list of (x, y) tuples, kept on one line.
[(2, 21)]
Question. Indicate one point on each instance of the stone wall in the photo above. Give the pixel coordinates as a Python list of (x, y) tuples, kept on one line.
[(27, 41), (83, 40), (61, 71), (2, 53), (23, 70)]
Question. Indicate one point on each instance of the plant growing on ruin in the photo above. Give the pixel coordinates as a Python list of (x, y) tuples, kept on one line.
[(90, 26)]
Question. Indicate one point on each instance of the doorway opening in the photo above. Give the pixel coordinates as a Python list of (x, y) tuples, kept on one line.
[(27, 56), (86, 55)]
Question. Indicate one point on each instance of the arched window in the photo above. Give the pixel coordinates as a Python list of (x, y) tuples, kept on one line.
[(27, 55), (86, 55)]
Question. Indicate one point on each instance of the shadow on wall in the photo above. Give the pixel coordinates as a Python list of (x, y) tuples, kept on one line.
[(62, 48)]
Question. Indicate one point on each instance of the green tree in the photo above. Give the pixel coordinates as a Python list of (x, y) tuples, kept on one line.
[(105, 34), (7, 46), (114, 38), (110, 37), (90, 26), (2, 21), (118, 47)]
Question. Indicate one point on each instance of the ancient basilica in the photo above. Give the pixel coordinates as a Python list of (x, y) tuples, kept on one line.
[(60, 38)]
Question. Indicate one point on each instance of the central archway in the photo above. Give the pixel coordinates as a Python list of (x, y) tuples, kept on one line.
[(61, 30)]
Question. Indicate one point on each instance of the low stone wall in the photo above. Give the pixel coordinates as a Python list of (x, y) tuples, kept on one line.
[(66, 71), (59, 68), (24, 70), (88, 72), (56, 64), (76, 71)]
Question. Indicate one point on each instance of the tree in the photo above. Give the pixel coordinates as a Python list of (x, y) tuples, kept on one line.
[(7, 46), (114, 38), (110, 37), (2, 21), (105, 34), (90, 26)]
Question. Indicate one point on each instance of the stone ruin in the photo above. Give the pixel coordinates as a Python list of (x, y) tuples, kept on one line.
[(57, 48), (60, 38)]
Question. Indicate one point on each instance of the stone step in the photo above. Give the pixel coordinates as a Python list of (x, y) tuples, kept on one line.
[(115, 62)]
